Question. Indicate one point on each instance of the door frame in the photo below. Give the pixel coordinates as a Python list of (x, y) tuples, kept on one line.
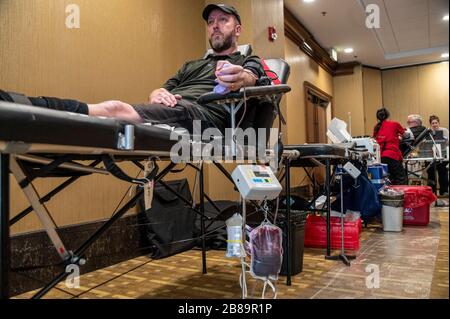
[(309, 87)]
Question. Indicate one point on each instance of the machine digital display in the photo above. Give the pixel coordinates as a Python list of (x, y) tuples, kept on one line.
[(261, 174)]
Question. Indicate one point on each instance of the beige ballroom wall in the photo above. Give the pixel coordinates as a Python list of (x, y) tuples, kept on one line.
[(122, 50), (349, 101), (417, 90), (303, 69), (373, 97)]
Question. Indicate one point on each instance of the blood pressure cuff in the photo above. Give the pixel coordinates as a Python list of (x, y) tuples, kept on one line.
[(53, 103)]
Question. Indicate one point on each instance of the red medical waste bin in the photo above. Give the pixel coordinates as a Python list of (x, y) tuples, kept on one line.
[(416, 206)]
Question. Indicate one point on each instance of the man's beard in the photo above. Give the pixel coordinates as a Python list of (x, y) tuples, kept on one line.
[(221, 45)]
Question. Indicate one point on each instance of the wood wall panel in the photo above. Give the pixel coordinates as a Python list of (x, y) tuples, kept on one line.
[(433, 92), (349, 101), (217, 186), (122, 50), (400, 93), (268, 13), (303, 68), (91, 198), (417, 90), (373, 97)]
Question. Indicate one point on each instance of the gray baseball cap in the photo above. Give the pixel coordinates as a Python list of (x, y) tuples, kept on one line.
[(224, 7)]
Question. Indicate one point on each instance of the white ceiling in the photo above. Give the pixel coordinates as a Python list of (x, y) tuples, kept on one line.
[(411, 31)]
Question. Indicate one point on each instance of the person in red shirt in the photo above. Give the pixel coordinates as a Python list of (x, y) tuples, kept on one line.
[(388, 135)]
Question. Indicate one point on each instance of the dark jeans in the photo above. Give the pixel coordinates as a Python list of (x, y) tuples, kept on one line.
[(53, 103), (441, 169), (397, 173), (182, 115)]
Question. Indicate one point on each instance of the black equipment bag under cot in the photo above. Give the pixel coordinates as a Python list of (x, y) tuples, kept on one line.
[(169, 225)]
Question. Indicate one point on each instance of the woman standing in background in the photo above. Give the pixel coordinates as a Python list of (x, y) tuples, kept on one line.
[(388, 135)]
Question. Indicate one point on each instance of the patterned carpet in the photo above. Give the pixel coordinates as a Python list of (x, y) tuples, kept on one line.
[(410, 264)]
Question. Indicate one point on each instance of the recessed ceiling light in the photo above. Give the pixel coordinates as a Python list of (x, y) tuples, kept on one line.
[(308, 1), (444, 55), (445, 18), (348, 50)]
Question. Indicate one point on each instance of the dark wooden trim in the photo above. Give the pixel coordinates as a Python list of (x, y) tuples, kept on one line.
[(32, 268), (401, 67), (308, 85), (411, 66), (297, 32), (345, 68), (322, 94), (371, 67)]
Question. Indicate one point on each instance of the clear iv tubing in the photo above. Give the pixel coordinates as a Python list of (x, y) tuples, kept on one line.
[(243, 281)]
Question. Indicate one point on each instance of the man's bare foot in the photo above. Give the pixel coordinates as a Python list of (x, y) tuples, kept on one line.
[(115, 109)]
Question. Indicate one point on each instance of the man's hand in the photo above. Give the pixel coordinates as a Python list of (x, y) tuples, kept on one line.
[(162, 96), (233, 76)]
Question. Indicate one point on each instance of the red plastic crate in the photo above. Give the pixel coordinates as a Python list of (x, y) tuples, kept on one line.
[(416, 207), (316, 233)]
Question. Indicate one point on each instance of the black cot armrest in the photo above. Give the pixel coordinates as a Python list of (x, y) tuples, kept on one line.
[(250, 92)]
